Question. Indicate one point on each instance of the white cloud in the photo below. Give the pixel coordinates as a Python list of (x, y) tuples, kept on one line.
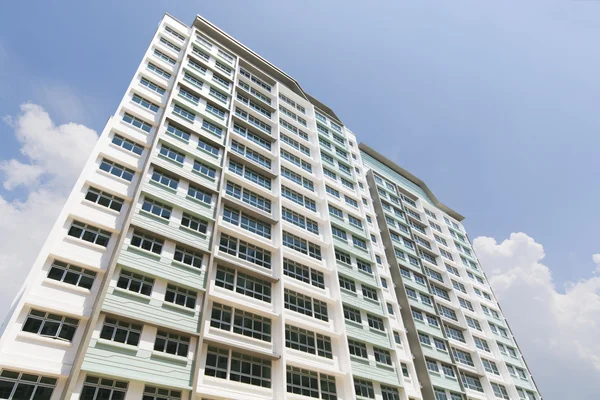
[(557, 328), (54, 156)]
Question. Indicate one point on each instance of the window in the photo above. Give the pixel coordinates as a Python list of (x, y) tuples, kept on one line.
[(303, 246), (138, 123), (104, 199), (207, 171), (364, 388), (157, 208), (305, 305), (184, 113), (307, 383), (298, 198), (364, 267), (188, 257), (473, 323), (358, 242), (212, 128), (145, 103), (135, 283), (71, 274), (180, 296), (154, 393), (490, 366), (382, 356), (447, 312), (199, 194), (454, 333), (89, 233), (50, 325), (440, 344), (370, 293), (338, 233), (247, 222), (299, 220), (375, 322), (332, 191), (23, 386), (436, 290), (297, 178), (245, 251), (171, 343), (95, 388), (243, 284), (117, 170), (147, 242), (471, 382), (121, 331), (351, 201), (127, 144), (465, 304), (500, 391), (384, 283), (357, 349), (462, 357), (165, 179), (248, 197), (405, 372), (158, 71), (459, 286), (424, 339), (250, 174), (244, 323), (352, 314), (171, 154), (307, 341), (295, 144), (481, 344), (397, 338), (303, 273)]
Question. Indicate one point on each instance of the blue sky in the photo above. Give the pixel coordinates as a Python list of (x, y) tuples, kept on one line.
[(493, 104)]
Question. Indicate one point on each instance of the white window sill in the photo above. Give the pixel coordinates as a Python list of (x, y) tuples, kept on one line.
[(45, 340)]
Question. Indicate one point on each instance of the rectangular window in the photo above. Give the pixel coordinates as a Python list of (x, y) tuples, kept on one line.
[(347, 284), (89, 233), (303, 273), (305, 305), (71, 274), (180, 296), (299, 220), (165, 179), (104, 199), (117, 170), (121, 331), (145, 103), (147, 242), (244, 323), (135, 283), (24, 386), (127, 144), (375, 322), (158, 71), (364, 388), (311, 384), (154, 393), (50, 325), (303, 246), (188, 257), (352, 314), (248, 134), (156, 208), (307, 341), (244, 284), (152, 86), (167, 342), (242, 368), (95, 388), (245, 251)]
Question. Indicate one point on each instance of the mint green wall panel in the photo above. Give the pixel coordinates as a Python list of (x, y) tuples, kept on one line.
[(178, 234), (430, 351), (178, 199), (137, 364), (431, 330), (364, 334), (373, 371), (150, 311), (354, 300), (133, 259), (439, 380), (393, 176), (357, 275), (187, 175)]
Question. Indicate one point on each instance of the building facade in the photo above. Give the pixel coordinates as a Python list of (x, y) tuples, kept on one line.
[(228, 238)]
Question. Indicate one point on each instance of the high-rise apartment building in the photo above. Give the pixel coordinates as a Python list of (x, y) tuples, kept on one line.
[(229, 239)]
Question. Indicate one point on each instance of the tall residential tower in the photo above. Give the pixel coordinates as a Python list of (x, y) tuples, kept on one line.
[(228, 238)]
